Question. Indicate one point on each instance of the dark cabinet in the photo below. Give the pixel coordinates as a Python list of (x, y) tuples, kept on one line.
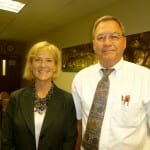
[(10, 75)]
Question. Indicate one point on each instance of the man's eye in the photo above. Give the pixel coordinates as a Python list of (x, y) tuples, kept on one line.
[(100, 38), (114, 37)]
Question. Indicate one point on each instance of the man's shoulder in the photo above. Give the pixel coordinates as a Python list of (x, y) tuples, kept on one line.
[(135, 66), (88, 70), (136, 69)]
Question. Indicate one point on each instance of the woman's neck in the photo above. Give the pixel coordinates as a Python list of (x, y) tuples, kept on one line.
[(42, 88)]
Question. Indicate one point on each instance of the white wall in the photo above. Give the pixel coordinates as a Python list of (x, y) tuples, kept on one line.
[(135, 15)]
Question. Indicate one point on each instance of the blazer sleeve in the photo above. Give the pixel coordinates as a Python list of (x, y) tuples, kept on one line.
[(71, 129), (7, 125)]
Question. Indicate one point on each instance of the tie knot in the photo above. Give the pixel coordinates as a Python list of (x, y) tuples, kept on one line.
[(107, 72)]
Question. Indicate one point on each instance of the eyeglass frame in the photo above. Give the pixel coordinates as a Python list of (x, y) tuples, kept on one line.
[(113, 36)]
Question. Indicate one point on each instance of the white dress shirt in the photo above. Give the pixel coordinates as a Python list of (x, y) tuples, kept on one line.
[(127, 116), (38, 121)]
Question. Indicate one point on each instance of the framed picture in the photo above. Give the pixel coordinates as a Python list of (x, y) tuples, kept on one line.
[(138, 49), (78, 57)]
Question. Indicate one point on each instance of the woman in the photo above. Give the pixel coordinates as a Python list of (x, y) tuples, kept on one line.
[(42, 116)]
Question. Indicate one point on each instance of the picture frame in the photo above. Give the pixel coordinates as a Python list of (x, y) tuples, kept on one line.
[(78, 57), (138, 49)]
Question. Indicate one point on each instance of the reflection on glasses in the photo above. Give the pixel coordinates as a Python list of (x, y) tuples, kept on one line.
[(111, 36)]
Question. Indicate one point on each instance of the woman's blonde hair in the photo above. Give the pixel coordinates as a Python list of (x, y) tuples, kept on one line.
[(55, 52)]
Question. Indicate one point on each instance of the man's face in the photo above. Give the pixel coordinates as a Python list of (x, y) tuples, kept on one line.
[(109, 43)]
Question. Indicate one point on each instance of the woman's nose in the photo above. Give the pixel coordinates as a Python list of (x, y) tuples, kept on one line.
[(43, 63)]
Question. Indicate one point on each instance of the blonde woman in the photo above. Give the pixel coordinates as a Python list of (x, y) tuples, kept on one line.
[(41, 116)]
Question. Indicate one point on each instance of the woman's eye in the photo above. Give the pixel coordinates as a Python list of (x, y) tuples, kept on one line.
[(40, 60), (37, 59), (49, 60)]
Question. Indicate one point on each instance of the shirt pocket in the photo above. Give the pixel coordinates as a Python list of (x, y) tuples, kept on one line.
[(127, 116)]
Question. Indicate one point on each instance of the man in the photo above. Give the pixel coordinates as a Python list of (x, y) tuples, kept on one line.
[(126, 123)]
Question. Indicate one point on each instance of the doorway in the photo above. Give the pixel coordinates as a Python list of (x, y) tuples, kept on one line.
[(10, 74)]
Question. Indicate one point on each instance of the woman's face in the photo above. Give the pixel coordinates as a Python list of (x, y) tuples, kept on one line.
[(43, 65)]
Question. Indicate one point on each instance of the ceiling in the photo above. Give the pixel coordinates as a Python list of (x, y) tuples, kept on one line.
[(42, 16)]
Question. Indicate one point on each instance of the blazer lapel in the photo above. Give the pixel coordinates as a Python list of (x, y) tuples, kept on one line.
[(27, 106), (51, 110)]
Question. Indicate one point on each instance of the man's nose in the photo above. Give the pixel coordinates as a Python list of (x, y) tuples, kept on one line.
[(107, 40)]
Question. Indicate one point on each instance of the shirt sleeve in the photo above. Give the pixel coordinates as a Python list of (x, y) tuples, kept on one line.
[(147, 103), (76, 99), (147, 108)]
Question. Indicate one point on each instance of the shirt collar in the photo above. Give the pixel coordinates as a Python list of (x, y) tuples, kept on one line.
[(117, 66)]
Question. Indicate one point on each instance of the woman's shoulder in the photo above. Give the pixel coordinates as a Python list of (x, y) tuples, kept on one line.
[(61, 91), (21, 91)]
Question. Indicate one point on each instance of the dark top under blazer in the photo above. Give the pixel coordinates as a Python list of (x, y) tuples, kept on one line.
[(59, 126)]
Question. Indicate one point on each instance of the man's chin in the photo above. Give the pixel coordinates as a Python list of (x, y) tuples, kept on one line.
[(108, 61), (109, 56)]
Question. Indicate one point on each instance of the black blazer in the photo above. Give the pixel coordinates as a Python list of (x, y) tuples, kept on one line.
[(59, 126)]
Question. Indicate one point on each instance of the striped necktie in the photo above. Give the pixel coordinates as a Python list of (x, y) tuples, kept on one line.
[(96, 115)]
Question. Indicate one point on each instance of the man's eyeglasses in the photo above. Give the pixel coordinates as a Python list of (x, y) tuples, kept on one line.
[(111, 36)]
